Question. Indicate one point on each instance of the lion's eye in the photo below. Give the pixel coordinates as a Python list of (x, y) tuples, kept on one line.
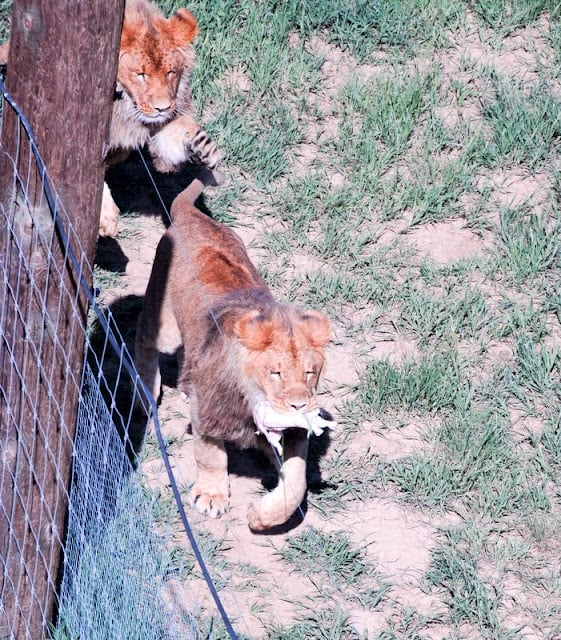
[(310, 375), (275, 375), (171, 73)]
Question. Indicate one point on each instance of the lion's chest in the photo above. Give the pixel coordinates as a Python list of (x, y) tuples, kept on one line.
[(126, 131)]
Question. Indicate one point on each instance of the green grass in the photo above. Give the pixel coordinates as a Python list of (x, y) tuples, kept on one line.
[(448, 317), (335, 567), (379, 118), (455, 570), (525, 122), (428, 386), (318, 624), (528, 244), (260, 138), (505, 16)]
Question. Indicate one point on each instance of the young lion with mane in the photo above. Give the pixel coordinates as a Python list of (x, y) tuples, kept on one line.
[(249, 365), (152, 102)]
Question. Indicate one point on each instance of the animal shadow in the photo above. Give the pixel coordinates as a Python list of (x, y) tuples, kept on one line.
[(117, 386), (137, 186)]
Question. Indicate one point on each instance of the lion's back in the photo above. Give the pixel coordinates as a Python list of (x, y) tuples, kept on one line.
[(212, 255)]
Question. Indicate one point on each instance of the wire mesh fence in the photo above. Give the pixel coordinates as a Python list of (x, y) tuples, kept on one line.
[(81, 554)]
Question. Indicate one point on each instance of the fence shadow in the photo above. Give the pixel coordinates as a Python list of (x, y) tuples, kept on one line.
[(118, 389)]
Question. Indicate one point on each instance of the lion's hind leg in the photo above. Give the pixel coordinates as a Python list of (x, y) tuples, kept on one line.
[(147, 359)]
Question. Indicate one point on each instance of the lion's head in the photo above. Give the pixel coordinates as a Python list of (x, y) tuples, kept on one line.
[(154, 54), (283, 355)]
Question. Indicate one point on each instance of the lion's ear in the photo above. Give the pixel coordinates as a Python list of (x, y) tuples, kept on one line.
[(254, 331), (184, 27), (316, 327)]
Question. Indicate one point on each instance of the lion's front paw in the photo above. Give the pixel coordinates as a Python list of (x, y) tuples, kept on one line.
[(211, 504), (203, 149)]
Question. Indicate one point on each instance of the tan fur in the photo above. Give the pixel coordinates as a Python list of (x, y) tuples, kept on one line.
[(152, 104), (4, 50), (237, 345)]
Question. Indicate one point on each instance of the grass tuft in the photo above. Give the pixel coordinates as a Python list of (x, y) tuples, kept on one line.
[(332, 563), (525, 122), (433, 384)]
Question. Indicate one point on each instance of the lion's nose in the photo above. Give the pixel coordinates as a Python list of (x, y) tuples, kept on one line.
[(298, 405), (160, 108), (163, 104)]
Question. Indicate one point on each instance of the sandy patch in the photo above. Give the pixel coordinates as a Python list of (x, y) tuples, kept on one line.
[(445, 242), (516, 187)]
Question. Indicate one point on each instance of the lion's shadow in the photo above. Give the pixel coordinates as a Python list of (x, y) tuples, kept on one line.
[(137, 186)]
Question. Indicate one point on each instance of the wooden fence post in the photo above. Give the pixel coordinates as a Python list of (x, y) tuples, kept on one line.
[(61, 71)]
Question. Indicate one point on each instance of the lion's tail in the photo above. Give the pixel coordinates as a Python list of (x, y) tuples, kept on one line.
[(206, 177)]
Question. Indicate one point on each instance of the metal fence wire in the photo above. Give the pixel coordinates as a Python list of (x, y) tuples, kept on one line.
[(105, 572)]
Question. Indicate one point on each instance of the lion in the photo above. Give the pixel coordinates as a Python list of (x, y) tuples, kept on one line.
[(241, 355), (152, 101), (152, 98)]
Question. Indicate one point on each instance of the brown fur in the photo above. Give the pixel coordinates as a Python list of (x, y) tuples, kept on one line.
[(152, 104), (237, 345)]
